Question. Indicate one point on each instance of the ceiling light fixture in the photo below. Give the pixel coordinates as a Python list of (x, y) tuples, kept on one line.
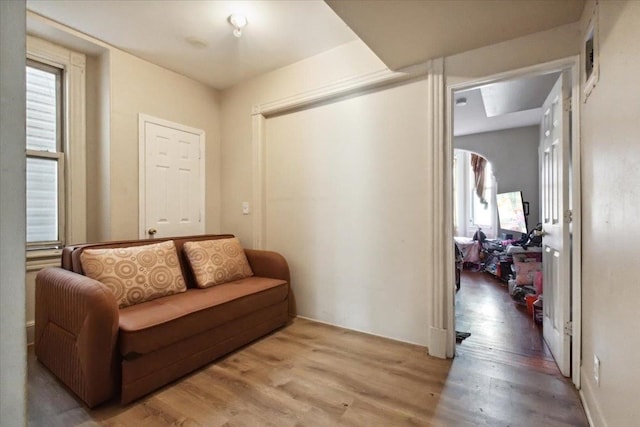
[(238, 22), (461, 102)]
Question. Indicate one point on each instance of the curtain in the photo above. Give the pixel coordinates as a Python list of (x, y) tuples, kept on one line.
[(477, 164)]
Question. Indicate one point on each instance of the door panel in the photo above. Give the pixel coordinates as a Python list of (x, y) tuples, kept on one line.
[(172, 183), (554, 146)]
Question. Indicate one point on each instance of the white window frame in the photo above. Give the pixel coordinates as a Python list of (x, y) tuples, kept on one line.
[(57, 155), (73, 208)]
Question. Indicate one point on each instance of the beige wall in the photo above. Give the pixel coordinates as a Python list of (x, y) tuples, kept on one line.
[(349, 60), (98, 156), (347, 201), (610, 127), (13, 350), (546, 46), (137, 87)]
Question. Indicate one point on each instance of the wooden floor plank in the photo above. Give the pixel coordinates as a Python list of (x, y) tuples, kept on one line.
[(313, 374)]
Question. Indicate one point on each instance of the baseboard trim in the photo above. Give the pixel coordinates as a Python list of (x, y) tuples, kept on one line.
[(586, 408), (361, 331), (31, 331), (438, 342), (592, 411)]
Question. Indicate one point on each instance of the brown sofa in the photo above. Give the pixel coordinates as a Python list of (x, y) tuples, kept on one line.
[(96, 349)]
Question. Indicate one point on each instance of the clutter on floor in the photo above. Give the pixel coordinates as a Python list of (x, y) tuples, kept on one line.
[(461, 336)]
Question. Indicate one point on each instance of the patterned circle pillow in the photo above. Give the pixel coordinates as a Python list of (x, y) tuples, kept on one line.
[(217, 261), (136, 274)]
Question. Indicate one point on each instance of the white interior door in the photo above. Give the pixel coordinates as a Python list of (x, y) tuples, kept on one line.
[(172, 179), (556, 216)]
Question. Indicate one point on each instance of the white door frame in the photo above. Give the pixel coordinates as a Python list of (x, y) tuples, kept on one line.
[(143, 119), (446, 302)]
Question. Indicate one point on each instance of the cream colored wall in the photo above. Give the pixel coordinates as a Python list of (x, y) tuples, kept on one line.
[(546, 46), (137, 87), (347, 201), (98, 156), (13, 350), (352, 264), (349, 60), (610, 226)]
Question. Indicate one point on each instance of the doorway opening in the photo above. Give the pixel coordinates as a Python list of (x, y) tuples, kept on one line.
[(520, 122)]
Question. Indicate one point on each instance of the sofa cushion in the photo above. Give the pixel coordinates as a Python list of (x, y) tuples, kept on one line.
[(153, 325), (214, 262), (136, 274)]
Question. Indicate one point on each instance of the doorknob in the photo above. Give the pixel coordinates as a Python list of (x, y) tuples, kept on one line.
[(152, 232)]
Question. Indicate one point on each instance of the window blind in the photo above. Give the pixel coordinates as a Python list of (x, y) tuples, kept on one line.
[(43, 155)]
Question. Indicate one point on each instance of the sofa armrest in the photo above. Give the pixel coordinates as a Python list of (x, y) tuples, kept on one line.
[(76, 331), (272, 264), (268, 264)]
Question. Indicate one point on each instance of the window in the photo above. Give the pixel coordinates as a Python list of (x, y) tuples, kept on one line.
[(55, 149), (45, 159), (456, 228), (469, 211), (483, 214)]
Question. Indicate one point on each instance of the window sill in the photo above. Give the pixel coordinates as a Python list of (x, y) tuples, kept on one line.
[(41, 258)]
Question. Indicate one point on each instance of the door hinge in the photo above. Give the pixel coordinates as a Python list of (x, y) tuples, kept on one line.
[(568, 216), (567, 104), (568, 328)]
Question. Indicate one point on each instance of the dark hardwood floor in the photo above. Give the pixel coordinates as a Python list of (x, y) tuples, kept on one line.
[(312, 374), (496, 323), (518, 378)]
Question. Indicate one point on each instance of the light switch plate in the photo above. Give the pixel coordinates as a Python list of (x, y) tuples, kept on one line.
[(245, 208)]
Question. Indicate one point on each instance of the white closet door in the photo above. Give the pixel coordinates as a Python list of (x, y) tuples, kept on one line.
[(173, 181)]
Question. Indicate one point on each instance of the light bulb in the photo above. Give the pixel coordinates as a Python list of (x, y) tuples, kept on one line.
[(238, 22)]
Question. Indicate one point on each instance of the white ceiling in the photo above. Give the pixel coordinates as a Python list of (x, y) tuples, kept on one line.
[(502, 105), (279, 33)]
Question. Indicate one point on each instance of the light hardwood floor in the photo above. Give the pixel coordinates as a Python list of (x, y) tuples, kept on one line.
[(311, 374)]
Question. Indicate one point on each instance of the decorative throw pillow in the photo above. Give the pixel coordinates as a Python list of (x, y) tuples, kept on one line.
[(217, 261), (136, 274), (526, 271)]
